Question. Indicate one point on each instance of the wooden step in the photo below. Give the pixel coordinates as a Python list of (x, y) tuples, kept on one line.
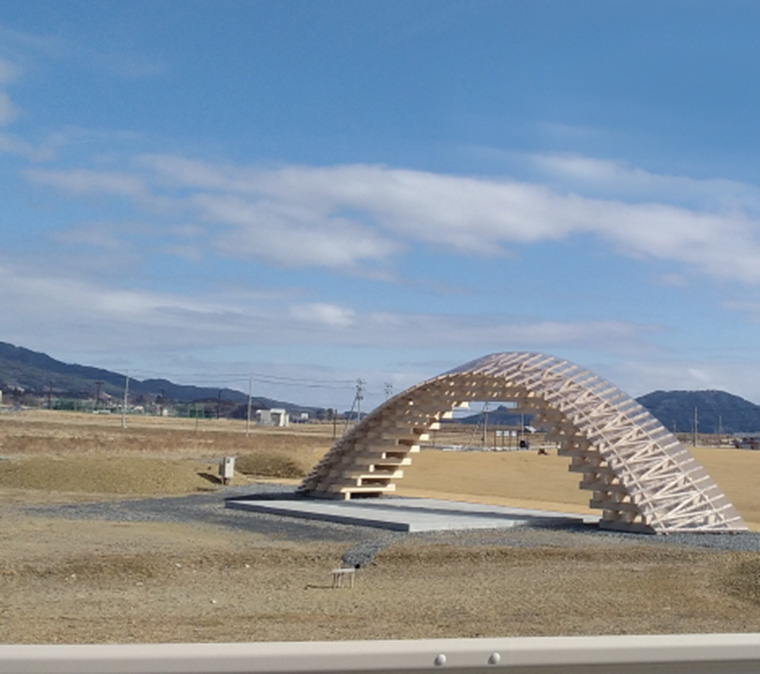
[(590, 468), (371, 472), (578, 453), (613, 505), (348, 492), (392, 461), (405, 437), (398, 458), (345, 491), (600, 485), (372, 481)]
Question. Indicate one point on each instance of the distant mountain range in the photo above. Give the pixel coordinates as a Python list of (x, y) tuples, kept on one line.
[(717, 411), (37, 373)]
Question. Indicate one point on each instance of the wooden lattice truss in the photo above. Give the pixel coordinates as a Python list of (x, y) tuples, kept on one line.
[(641, 477)]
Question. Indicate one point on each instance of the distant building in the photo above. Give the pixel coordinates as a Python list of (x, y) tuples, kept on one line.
[(273, 417)]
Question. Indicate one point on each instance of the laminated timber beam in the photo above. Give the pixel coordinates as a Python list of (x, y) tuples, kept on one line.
[(641, 477)]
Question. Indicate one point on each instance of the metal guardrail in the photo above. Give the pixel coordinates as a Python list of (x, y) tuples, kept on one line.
[(656, 654)]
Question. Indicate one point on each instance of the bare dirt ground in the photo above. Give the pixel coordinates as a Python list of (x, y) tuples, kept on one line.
[(102, 581)]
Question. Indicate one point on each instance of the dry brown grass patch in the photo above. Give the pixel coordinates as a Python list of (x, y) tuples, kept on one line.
[(108, 474), (270, 464), (742, 580)]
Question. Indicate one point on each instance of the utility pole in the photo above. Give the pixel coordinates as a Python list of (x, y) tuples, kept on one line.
[(219, 405), (98, 386), (360, 384), (358, 397), (248, 413), (388, 390), (696, 427), (124, 406), (50, 395)]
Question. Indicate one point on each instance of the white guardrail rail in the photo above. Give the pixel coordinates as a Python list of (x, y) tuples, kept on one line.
[(656, 654)]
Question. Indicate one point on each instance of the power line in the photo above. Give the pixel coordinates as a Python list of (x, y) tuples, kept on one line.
[(238, 381), (268, 378)]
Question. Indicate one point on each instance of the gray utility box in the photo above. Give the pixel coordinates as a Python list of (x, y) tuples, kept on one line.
[(227, 468)]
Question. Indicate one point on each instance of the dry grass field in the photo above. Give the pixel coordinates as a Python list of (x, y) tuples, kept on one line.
[(51, 455), (526, 479), (101, 581)]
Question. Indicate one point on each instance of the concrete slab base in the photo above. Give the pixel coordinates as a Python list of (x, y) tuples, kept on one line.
[(407, 514)]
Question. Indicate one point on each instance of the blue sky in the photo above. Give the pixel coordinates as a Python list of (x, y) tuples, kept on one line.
[(315, 192)]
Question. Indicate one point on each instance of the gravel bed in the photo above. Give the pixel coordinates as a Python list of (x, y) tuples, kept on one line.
[(363, 553), (205, 508), (588, 536), (208, 508)]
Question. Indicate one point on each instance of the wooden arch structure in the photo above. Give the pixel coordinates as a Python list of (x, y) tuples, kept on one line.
[(641, 477)]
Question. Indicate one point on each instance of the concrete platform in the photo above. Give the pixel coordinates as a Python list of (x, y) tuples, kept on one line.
[(407, 514)]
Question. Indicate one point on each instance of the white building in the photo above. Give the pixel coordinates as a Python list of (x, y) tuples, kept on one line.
[(273, 417)]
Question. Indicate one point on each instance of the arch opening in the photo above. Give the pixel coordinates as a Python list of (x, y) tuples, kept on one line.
[(639, 474)]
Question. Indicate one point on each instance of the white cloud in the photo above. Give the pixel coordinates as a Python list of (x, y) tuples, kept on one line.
[(9, 71), (699, 374), (290, 234), (345, 217), (321, 313), (500, 333), (26, 46), (93, 314), (616, 180), (722, 246), (9, 111), (466, 214), (749, 307), (40, 295), (670, 279), (94, 234), (482, 216), (13, 145), (82, 182), (185, 172)]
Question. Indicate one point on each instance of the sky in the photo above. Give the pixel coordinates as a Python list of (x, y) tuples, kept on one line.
[(305, 194)]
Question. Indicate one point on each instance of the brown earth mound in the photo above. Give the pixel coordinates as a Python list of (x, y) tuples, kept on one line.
[(109, 475)]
